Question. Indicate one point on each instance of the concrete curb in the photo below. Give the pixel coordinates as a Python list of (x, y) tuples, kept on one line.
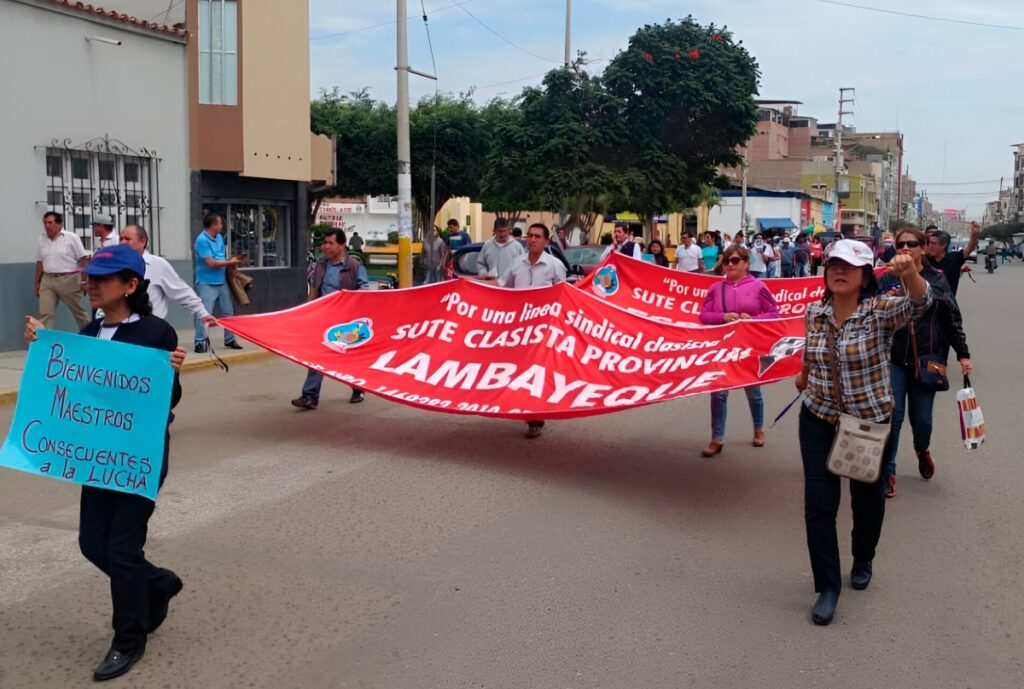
[(11, 396)]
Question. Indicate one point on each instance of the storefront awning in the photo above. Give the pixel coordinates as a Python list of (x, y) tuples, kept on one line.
[(776, 224)]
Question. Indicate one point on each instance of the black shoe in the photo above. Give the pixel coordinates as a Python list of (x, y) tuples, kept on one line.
[(116, 664), (232, 345), (158, 610), (200, 347), (825, 608), (533, 428), (860, 575), (357, 397), (305, 403)]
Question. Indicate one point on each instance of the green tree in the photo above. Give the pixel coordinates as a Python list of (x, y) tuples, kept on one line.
[(365, 131), (448, 132), (687, 101), (504, 188), (1002, 232)]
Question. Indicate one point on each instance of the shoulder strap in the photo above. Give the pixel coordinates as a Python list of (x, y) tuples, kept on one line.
[(837, 380)]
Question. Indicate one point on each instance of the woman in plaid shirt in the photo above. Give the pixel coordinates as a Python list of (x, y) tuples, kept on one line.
[(864, 324)]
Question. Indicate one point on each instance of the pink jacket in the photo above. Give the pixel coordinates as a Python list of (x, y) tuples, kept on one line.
[(749, 296)]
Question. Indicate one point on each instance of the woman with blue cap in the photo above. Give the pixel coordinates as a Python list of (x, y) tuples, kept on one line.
[(112, 525)]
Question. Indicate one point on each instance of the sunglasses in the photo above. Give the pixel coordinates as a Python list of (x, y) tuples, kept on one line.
[(733, 260), (908, 244)]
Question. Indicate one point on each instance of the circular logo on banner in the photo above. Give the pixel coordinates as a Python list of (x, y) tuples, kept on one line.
[(345, 336), (606, 282)]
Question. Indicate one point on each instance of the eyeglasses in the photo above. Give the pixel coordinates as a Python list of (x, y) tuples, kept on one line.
[(908, 244), (733, 260)]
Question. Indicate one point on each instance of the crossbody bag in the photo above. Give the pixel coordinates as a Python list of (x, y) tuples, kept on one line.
[(930, 369), (858, 446)]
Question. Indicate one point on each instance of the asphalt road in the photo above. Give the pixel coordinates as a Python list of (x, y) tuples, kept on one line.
[(382, 546)]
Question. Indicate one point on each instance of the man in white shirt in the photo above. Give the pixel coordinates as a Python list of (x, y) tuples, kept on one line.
[(760, 254), (623, 243), (60, 257), (103, 232), (499, 252), (536, 269), (688, 255), (164, 282)]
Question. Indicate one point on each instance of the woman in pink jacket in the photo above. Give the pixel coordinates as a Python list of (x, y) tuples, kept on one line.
[(739, 296)]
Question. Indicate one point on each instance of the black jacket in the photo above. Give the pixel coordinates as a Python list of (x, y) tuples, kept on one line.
[(148, 331), (940, 327)]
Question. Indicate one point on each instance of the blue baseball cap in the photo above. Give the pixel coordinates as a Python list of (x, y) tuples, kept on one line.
[(114, 259)]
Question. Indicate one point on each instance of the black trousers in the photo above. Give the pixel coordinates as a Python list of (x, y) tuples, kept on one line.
[(821, 504), (112, 534)]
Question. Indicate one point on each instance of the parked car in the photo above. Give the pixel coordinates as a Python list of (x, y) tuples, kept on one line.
[(464, 261), (586, 256)]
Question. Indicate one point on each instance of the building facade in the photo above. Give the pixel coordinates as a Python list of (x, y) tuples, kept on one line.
[(94, 120), (253, 156)]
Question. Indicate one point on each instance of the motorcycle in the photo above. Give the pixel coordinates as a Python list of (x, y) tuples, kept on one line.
[(990, 263)]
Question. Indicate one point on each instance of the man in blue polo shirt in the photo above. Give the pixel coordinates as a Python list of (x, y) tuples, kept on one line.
[(211, 278)]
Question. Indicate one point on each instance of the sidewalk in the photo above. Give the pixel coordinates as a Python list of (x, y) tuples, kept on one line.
[(13, 363)]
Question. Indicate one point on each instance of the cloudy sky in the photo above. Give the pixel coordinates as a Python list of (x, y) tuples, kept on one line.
[(951, 87)]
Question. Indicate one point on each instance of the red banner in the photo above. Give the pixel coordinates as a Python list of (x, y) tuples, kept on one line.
[(546, 353), (673, 296)]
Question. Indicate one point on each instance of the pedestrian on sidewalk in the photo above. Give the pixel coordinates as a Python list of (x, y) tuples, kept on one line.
[(498, 253), (211, 278), (164, 281), (433, 257), (337, 270), (863, 323), (929, 335), (740, 296), (112, 526), (536, 269), (103, 232), (60, 257)]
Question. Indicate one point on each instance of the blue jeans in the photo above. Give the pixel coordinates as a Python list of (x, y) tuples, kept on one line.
[(802, 270), (759, 274), (720, 406), (908, 396), (433, 275), (212, 295), (311, 388)]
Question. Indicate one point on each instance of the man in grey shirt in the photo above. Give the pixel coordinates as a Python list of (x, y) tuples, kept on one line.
[(536, 269), (499, 252)]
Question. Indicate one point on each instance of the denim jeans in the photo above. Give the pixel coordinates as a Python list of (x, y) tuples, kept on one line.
[(433, 275), (215, 295), (802, 270), (908, 396), (720, 405), (759, 274), (821, 504), (311, 388)]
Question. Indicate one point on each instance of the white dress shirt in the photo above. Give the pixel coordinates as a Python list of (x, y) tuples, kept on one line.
[(60, 254), (618, 247), (166, 284), (548, 270), (688, 259), (110, 240)]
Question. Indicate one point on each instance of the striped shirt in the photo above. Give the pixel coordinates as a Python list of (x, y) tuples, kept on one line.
[(60, 254), (864, 345)]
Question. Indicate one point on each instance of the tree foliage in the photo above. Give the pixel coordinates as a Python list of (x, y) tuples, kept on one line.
[(1002, 231), (647, 136)]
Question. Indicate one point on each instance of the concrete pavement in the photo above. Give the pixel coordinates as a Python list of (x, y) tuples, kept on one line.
[(376, 545)]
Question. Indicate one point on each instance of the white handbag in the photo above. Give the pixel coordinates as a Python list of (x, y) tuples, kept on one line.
[(858, 446)]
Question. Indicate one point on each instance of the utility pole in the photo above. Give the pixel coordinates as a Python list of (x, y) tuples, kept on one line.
[(404, 154), (839, 164), (568, 17)]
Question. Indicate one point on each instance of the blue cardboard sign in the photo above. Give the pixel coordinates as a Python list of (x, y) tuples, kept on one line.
[(92, 412)]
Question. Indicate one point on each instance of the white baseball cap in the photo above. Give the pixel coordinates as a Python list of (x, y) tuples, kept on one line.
[(851, 251)]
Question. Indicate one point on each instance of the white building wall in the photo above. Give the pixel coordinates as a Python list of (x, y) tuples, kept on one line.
[(55, 84), (725, 217)]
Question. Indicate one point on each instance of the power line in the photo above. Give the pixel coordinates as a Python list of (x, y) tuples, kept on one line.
[(383, 24), (517, 47), (949, 184), (922, 16), (532, 76)]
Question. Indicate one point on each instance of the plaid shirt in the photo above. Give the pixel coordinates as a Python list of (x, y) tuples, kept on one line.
[(864, 345)]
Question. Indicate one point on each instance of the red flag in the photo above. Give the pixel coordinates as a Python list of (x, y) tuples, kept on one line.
[(546, 353)]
